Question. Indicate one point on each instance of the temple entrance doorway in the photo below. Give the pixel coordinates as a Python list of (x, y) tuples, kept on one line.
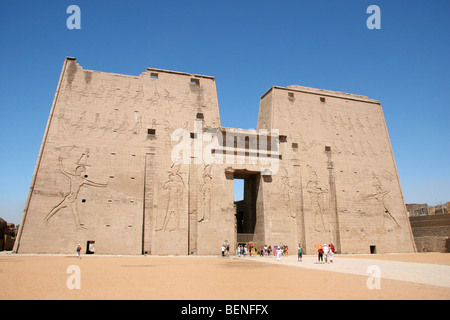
[(247, 183)]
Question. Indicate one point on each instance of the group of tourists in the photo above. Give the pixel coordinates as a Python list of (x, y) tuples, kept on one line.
[(225, 250), (326, 253), (244, 250), (266, 251)]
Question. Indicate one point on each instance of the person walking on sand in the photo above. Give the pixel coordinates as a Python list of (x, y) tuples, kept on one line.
[(320, 256), (326, 250), (330, 253), (279, 252), (300, 253), (79, 251)]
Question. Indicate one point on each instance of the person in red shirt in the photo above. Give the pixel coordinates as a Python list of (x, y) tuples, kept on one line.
[(320, 257)]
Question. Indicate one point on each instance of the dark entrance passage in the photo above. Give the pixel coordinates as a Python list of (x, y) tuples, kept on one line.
[(90, 247), (246, 209)]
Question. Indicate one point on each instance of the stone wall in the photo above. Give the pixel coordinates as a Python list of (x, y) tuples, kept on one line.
[(431, 233), (141, 164)]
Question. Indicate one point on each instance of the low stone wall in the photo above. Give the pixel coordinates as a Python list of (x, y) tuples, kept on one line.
[(431, 233)]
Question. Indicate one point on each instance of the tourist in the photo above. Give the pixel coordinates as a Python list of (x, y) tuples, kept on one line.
[(300, 253), (79, 251), (320, 256), (325, 252), (223, 250), (279, 252), (330, 253)]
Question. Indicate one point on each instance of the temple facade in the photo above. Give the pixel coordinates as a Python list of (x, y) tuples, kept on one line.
[(142, 165)]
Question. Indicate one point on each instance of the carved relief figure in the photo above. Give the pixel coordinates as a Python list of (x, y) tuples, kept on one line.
[(137, 126), (205, 190), (96, 125), (379, 195), (77, 179), (317, 193), (83, 160), (288, 192), (122, 128), (80, 123), (107, 127), (175, 188), (124, 95), (138, 97)]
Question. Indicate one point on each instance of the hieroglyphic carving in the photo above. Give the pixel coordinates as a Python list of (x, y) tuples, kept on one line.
[(153, 100), (123, 127), (95, 125), (170, 113), (139, 96), (61, 123), (107, 127), (83, 160), (137, 126), (77, 179), (123, 96), (79, 125), (116, 122)]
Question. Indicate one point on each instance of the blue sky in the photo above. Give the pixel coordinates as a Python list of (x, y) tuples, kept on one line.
[(248, 46)]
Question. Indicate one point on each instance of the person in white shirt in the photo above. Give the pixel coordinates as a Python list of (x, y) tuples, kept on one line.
[(330, 253), (326, 249)]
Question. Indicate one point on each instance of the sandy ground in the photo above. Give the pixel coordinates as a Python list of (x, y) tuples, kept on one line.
[(201, 278)]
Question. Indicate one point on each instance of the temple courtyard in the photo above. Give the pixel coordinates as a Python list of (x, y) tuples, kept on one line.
[(361, 277)]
